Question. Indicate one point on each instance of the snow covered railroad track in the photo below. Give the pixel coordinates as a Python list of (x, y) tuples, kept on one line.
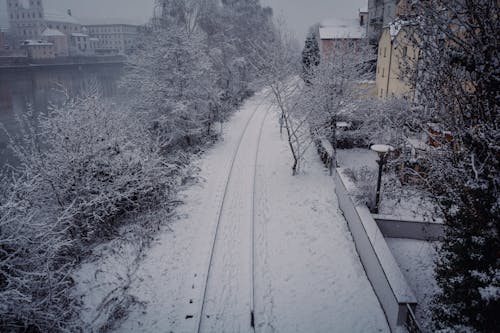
[(227, 303)]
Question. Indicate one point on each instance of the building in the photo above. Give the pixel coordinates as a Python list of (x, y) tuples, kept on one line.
[(80, 44), (39, 49), (3, 40), (60, 41), (395, 51), (334, 33), (28, 19), (114, 38), (65, 23), (4, 18), (380, 14)]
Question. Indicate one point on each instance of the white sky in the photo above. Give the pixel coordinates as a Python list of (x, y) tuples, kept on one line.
[(300, 14)]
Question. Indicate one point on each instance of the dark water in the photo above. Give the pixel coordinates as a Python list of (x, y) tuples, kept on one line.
[(39, 87)]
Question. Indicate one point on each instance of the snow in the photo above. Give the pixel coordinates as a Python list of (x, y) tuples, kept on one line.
[(30, 42), (308, 277), (357, 158), (55, 16), (417, 261), (396, 26), (410, 205), (52, 32), (342, 28)]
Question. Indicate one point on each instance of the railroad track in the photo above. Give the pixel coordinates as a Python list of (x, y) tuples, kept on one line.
[(215, 239)]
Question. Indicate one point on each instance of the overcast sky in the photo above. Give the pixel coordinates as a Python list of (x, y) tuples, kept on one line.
[(300, 14)]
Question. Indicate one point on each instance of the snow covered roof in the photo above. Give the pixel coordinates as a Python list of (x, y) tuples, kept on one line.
[(54, 16), (78, 34), (30, 42), (342, 29), (52, 32)]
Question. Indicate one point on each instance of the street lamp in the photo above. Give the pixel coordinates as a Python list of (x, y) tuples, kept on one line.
[(382, 151)]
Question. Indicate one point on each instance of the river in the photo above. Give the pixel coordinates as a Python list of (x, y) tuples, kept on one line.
[(40, 87)]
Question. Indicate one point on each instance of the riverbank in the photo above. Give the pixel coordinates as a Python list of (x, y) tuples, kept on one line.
[(16, 63)]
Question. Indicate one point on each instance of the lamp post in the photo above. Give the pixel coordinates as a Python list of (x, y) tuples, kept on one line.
[(382, 151)]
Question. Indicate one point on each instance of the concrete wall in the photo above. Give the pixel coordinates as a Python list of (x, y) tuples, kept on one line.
[(389, 284), (395, 228)]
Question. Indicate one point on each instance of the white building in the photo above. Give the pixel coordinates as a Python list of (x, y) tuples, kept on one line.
[(28, 19), (114, 38)]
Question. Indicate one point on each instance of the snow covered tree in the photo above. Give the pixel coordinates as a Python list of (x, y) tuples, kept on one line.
[(193, 68), (457, 84), (337, 88), (310, 57), (172, 74), (278, 63)]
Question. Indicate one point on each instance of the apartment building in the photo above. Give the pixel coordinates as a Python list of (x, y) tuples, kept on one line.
[(114, 38), (397, 56)]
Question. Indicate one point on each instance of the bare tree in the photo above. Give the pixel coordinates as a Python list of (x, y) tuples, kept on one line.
[(338, 88), (279, 65)]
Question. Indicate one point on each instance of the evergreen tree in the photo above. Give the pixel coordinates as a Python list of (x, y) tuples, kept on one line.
[(310, 57)]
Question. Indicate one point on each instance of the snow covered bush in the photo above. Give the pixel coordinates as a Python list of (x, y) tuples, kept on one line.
[(366, 185), (35, 258), (97, 161), (85, 167)]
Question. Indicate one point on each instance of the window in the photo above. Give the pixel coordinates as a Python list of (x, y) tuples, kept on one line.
[(381, 92), (383, 72), (405, 51), (385, 52)]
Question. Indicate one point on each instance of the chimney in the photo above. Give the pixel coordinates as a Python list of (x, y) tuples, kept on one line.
[(69, 12)]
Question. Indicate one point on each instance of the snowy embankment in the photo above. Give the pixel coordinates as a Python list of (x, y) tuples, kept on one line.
[(307, 274)]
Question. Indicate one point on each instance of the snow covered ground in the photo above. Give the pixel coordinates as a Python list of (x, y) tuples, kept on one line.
[(288, 230), (357, 158), (417, 261)]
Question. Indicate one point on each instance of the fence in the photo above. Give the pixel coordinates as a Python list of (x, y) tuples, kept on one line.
[(390, 286)]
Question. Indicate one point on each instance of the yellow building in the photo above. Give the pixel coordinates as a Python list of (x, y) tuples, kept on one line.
[(397, 57)]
